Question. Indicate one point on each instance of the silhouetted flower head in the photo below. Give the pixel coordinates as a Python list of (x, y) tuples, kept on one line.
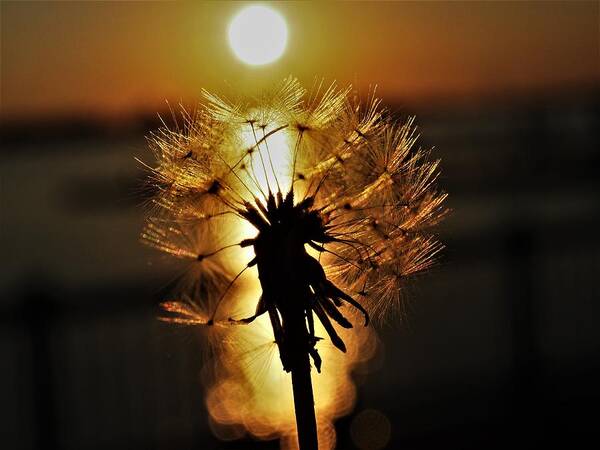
[(317, 188)]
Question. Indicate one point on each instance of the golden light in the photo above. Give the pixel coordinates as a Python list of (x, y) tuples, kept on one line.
[(258, 35)]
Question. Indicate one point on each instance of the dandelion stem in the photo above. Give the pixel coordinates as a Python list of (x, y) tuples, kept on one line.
[(304, 405), (296, 334)]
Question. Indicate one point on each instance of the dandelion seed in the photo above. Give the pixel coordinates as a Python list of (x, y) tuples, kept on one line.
[(300, 216)]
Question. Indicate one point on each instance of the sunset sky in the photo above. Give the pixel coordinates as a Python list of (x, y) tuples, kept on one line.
[(120, 58)]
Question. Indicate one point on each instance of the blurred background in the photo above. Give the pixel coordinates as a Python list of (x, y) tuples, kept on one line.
[(501, 347)]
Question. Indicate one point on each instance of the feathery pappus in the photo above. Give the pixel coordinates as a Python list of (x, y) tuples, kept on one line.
[(303, 213)]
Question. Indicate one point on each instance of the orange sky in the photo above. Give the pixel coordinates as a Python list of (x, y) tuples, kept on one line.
[(110, 58)]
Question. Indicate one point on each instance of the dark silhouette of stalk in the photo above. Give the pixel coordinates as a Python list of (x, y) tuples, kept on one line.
[(304, 404)]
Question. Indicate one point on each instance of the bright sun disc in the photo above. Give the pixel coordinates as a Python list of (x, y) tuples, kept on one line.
[(258, 35)]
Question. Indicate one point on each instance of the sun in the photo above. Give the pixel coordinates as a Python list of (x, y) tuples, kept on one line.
[(258, 35)]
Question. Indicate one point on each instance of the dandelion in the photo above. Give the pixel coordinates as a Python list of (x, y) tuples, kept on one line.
[(301, 215)]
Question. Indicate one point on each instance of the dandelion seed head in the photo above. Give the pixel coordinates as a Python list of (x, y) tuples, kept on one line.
[(321, 168)]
